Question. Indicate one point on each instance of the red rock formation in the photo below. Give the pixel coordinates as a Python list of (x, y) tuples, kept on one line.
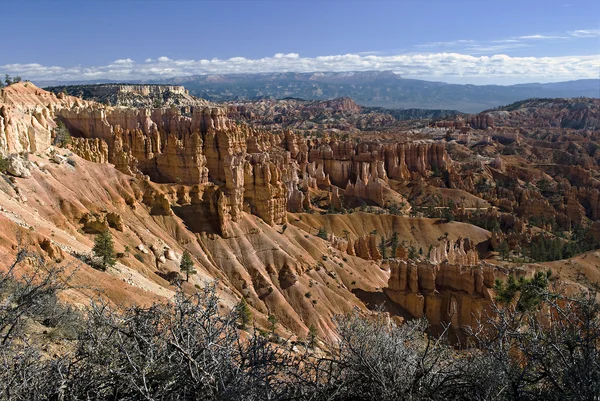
[(403, 160), (371, 190)]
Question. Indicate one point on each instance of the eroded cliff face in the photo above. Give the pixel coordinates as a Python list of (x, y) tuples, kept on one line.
[(255, 171)]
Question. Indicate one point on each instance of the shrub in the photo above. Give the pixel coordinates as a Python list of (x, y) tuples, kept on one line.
[(3, 164)]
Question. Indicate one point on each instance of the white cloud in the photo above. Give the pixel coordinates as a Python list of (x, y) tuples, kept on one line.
[(452, 43), (437, 66), (506, 41), (541, 37), (504, 44), (124, 61), (490, 48), (585, 33)]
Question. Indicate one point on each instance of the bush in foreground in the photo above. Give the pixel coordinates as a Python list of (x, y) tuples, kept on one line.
[(537, 345)]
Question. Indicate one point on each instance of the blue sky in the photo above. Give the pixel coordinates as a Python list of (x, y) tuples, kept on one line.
[(468, 41)]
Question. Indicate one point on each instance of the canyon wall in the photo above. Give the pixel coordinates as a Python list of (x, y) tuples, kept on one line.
[(256, 171)]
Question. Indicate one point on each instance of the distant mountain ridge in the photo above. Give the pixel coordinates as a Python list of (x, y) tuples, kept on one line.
[(375, 89)]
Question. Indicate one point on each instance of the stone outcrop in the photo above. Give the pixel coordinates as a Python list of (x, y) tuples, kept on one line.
[(143, 90), (365, 247), (158, 202), (264, 188), (94, 223), (342, 161), (115, 221), (18, 167), (453, 253)]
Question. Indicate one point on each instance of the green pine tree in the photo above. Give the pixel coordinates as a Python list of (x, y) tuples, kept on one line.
[(312, 335), (412, 253), (504, 250), (187, 265), (394, 242), (272, 323), (244, 313), (62, 136), (383, 248), (105, 248)]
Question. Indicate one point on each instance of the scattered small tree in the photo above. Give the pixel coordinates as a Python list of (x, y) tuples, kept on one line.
[(412, 253), (526, 293), (244, 313), (62, 136), (3, 164), (448, 213), (383, 248), (504, 250), (187, 265), (272, 323), (322, 233), (105, 248), (312, 335), (394, 242)]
